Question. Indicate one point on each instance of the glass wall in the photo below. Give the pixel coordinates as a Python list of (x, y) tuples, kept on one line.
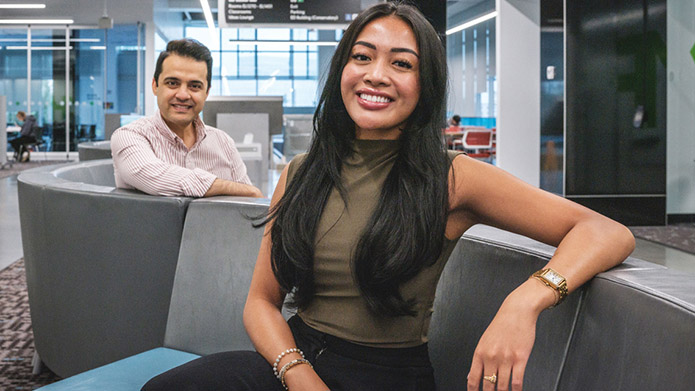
[(47, 69), (552, 114), (266, 61), (33, 76), (471, 60), (13, 71)]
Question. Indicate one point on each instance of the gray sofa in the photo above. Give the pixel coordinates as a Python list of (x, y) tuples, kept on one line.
[(94, 150), (100, 264), (630, 328)]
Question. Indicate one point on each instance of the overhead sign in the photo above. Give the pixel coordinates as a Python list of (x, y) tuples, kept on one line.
[(282, 13)]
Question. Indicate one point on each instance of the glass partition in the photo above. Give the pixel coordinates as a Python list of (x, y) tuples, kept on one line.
[(71, 82), (47, 90), (266, 61), (13, 74), (87, 94)]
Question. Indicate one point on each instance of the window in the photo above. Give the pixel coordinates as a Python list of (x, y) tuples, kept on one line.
[(279, 67)]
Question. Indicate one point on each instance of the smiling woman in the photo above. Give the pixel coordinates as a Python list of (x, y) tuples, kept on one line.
[(380, 84), (361, 227)]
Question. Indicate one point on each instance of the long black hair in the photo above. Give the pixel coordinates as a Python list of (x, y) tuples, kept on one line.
[(406, 232)]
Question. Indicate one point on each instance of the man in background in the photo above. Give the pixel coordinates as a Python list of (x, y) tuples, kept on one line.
[(26, 136), (173, 153)]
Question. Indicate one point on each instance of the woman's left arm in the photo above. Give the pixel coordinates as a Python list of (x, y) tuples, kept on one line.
[(587, 244)]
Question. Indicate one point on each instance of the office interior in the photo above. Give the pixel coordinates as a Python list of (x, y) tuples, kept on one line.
[(591, 100)]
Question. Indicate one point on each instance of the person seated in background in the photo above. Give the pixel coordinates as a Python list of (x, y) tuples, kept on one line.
[(26, 136), (454, 124), (173, 153)]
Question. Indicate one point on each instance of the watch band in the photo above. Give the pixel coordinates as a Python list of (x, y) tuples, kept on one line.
[(554, 281)]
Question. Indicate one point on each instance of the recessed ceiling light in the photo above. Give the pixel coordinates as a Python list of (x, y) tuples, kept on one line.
[(36, 21), (471, 23), (22, 6)]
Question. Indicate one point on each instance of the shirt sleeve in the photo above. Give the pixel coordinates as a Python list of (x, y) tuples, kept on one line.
[(137, 166)]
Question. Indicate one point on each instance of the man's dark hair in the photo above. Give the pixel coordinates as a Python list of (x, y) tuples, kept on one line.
[(185, 48)]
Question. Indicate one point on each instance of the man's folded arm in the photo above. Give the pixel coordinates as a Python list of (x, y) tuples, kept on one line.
[(225, 187), (139, 167)]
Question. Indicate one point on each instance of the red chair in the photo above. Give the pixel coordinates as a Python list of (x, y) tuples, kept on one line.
[(477, 142), (451, 135)]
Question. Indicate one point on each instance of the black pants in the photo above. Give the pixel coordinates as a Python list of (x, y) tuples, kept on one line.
[(18, 143), (342, 365)]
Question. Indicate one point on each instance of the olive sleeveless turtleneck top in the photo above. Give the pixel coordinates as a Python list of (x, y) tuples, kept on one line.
[(338, 308)]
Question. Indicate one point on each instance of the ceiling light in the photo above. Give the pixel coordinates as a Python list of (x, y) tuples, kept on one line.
[(22, 6), (36, 21), (471, 23), (208, 14), (38, 47)]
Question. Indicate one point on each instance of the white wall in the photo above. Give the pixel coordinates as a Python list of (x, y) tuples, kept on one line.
[(680, 114), (518, 77)]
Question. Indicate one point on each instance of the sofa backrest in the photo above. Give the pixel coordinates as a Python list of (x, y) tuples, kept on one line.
[(635, 331), (485, 267), (100, 264), (93, 150), (630, 328), (94, 172), (218, 254)]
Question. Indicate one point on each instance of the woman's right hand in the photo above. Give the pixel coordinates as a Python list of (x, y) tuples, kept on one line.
[(303, 377)]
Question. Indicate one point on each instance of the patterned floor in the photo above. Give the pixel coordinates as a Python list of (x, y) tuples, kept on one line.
[(678, 236), (16, 338)]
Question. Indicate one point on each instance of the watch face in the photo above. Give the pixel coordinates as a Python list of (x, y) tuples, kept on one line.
[(553, 277)]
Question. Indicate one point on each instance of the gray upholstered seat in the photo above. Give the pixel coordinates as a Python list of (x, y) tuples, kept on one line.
[(100, 264), (94, 150), (100, 271), (485, 267), (216, 261)]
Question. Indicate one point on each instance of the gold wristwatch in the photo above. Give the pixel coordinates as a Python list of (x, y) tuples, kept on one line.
[(553, 280)]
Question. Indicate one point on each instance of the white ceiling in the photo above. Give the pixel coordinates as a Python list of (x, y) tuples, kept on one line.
[(88, 12), (84, 12)]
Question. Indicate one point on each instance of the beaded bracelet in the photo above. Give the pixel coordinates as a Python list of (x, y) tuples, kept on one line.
[(280, 356), (289, 366)]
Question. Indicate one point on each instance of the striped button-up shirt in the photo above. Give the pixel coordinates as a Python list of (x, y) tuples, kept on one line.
[(149, 157)]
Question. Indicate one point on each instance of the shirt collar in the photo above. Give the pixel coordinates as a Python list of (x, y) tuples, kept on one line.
[(164, 130)]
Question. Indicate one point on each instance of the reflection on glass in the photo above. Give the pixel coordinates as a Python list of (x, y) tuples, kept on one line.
[(13, 74), (87, 73), (48, 84), (257, 68), (37, 83)]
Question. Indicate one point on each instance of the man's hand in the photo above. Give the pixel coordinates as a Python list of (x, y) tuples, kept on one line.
[(225, 187)]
